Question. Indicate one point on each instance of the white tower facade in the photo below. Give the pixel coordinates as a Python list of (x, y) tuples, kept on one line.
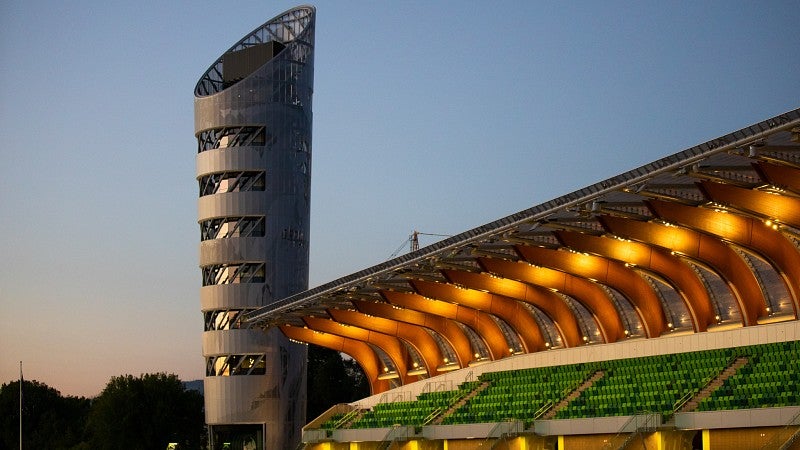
[(253, 126)]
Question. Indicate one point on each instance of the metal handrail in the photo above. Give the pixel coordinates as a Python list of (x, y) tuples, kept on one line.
[(772, 443), (433, 415), (388, 439), (541, 411), (346, 418), (685, 399), (706, 381), (649, 415), (490, 434)]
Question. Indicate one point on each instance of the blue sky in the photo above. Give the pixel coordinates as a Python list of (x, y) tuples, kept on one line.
[(435, 116)]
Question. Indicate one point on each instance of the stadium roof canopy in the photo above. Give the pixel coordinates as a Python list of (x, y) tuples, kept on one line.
[(705, 239)]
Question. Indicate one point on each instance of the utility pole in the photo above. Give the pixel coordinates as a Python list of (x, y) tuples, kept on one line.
[(20, 405)]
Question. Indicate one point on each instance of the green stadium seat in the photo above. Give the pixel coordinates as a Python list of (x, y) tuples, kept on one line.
[(629, 386)]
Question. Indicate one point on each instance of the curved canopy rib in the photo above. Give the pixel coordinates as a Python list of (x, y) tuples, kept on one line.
[(358, 350), (446, 328), (414, 335), (589, 294), (513, 313), (749, 233), (706, 249), (652, 259), (390, 345), (611, 273), (479, 321)]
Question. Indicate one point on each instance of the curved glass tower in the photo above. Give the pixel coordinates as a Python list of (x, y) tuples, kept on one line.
[(253, 128)]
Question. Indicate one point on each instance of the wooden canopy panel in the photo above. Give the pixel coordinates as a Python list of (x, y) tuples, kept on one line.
[(707, 238), (358, 350), (446, 328), (655, 260), (608, 272), (749, 233), (478, 321), (706, 249), (414, 335), (585, 292), (551, 304), (771, 207), (390, 345), (511, 311), (782, 176)]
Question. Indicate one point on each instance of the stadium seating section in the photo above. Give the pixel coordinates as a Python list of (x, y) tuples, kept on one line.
[(769, 377)]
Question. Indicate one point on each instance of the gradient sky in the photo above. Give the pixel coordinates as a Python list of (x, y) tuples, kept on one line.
[(435, 116)]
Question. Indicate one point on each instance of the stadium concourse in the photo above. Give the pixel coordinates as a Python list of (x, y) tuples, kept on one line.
[(656, 309)]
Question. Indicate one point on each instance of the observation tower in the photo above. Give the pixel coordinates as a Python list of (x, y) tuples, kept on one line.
[(253, 127)]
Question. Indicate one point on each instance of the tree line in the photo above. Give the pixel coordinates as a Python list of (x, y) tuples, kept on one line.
[(144, 412), (147, 411)]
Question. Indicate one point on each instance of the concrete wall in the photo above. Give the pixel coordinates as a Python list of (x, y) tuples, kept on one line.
[(597, 425), (740, 418)]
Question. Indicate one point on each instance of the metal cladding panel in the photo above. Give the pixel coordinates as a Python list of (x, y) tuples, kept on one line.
[(255, 100), (233, 296), (282, 85), (758, 417), (230, 204), (277, 399), (287, 171), (241, 63), (232, 342), (229, 159), (233, 249)]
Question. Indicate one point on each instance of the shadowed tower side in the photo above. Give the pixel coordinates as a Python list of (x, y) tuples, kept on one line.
[(253, 127)]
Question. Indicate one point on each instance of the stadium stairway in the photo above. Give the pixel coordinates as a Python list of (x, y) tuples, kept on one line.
[(349, 419), (550, 413), (461, 402), (712, 386)]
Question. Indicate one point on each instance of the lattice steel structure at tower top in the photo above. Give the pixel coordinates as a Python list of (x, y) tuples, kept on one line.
[(253, 126)]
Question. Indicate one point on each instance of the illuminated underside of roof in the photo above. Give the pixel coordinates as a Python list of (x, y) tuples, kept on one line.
[(705, 239)]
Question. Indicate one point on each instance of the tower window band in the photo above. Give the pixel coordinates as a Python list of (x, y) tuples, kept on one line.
[(225, 137), (233, 274), (227, 227), (219, 183), (230, 365)]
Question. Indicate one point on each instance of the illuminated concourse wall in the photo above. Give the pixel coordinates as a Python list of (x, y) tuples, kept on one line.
[(253, 127)]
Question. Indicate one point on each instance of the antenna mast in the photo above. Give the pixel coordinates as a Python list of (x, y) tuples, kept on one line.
[(413, 240)]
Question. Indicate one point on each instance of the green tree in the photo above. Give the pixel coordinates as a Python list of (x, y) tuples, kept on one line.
[(48, 419), (146, 412), (332, 379)]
